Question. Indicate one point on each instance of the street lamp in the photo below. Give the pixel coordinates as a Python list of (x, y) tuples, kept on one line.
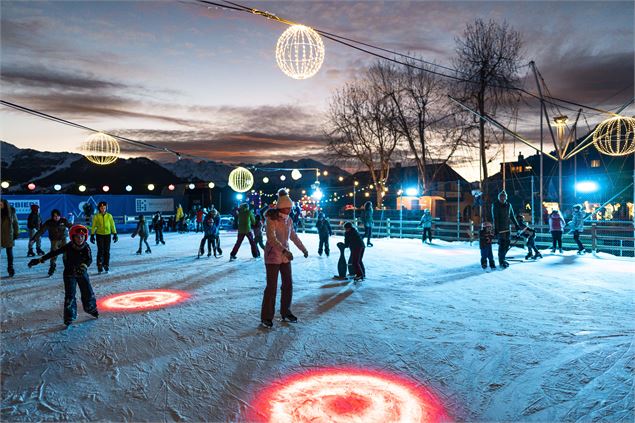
[(587, 186)]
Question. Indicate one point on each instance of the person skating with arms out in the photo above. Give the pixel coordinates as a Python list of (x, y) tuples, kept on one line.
[(57, 227), (77, 259), (279, 228), (104, 227)]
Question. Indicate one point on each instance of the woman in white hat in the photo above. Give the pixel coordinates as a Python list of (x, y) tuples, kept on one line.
[(278, 258)]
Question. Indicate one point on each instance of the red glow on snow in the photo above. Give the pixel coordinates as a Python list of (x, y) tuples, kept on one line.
[(346, 395), (142, 300)]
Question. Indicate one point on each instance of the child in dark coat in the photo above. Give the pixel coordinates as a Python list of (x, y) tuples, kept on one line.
[(143, 231), (354, 241), (530, 236), (485, 240), (323, 227), (208, 235), (77, 258), (257, 228)]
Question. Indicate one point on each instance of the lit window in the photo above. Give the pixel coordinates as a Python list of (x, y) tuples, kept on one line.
[(595, 163)]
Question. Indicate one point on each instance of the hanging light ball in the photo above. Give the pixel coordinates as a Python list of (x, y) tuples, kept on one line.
[(4, 184), (295, 174), (128, 188), (82, 188), (241, 179), (265, 180), (300, 52), (615, 136), (100, 149), (282, 177), (191, 186), (31, 186), (211, 185), (105, 188), (57, 187), (150, 187)]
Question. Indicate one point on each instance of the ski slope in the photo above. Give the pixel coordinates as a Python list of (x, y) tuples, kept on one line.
[(541, 341)]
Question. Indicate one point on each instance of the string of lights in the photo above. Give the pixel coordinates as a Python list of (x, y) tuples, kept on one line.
[(350, 43)]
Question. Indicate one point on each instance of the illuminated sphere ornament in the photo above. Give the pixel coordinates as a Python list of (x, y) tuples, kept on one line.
[(128, 188), (31, 186), (265, 180), (150, 187), (211, 185), (100, 149), (105, 188), (282, 177), (300, 52), (171, 187), (57, 187), (191, 186), (295, 174), (5, 184), (615, 136), (241, 179), (82, 188)]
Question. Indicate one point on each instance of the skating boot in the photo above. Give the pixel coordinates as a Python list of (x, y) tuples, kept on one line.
[(30, 253), (99, 269), (106, 269), (289, 318), (162, 242), (267, 323), (553, 250), (581, 252), (51, 269), (528, 256), (138, 252), (370, 244), (538, 255), (220, 252), (40, 252), (148, 251), (484, 264), (232, 258), (11, 272), (561, 251), (504, 264), (492, 266), (209, 253), (94, 313)]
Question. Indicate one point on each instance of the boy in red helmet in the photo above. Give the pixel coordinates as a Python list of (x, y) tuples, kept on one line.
[(77, 258)]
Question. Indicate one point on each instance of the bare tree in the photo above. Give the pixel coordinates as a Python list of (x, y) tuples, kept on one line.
[(361, 127), (488, 56), (424, 117)]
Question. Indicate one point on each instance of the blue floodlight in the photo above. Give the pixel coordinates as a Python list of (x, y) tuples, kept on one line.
[(239, 196), (587, 186), (317, 194), (412, 192)]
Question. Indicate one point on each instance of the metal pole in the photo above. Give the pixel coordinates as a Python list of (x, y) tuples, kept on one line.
[(354, 205), (458, 211), (401, 214), (532, 200)]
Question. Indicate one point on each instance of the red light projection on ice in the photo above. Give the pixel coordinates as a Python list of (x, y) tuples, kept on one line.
[(346, 396), (142, 300)]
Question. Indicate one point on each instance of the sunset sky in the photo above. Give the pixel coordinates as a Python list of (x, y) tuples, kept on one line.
[(204, 81)]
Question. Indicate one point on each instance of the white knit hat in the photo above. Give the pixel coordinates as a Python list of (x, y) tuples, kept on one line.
[(283, 200)]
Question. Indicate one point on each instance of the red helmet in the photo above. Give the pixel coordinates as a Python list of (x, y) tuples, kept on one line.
[(77, 230)]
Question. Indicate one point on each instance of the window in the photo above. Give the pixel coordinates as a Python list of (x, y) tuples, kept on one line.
[(595, 163)]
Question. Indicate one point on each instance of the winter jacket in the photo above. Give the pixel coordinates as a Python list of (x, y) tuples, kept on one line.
[(525, 231), (426, 221), (74, 257), (577, 222), (324, 228), (142, 229), (57, 230), (34, 221), (157, 222), (556, 221), (10, 229), (368, 217), (211, 225), (502, 216), (353, 240), (485, 237), (199, 216), (179, 214), (103, 224), (246, 219), (279, 232), (258, 230)]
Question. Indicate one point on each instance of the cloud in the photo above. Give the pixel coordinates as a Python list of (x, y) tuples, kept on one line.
[(41, 77)]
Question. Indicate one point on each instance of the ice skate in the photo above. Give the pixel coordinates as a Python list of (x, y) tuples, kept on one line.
[(148, 251), (30, 253), (40, 252), (529, 256), (11, 272), (51, 270), (561, 252), (581, 252), (537, 256), (138, 252), (266, 323), (232, 258), (553, 250), (289, 318)]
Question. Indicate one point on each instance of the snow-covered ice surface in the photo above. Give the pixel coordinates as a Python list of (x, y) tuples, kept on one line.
[(541, 341)]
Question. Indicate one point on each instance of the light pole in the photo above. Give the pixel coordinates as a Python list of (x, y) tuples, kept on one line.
[(400, 192), (355, 202)]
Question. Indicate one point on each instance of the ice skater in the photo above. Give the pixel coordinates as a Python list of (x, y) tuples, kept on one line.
[(143, 232), (10, 231), (258, 227), (426, 224), (208, 236), (279, 228), (77, 259), (355, 242), (33, 224), (157, 224), (502, 217), (57, 226), (485, 241), (556, 225), (577, 226), (246, 220), (324, 231), (530, 237), (104, 227)]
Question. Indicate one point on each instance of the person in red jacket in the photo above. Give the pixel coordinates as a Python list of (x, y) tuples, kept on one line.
[(199, 220), (556, 226)]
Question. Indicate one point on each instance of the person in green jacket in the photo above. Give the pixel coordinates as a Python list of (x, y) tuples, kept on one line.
[(10, 232), (104, 226), (246, 220)]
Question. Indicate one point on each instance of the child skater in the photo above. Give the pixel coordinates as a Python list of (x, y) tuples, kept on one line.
[(485, 240), (216, 233), (577, 226), (556, 226), (143, 231), (530, 237), (324, 230), (77, 258), (354, 241), (208, 235)]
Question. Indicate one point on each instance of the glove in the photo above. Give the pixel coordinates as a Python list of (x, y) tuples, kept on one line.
[(287, 254), (34, 262), (83, 267), (306, 254), (132, 236), (115, 238), (92, 239)]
